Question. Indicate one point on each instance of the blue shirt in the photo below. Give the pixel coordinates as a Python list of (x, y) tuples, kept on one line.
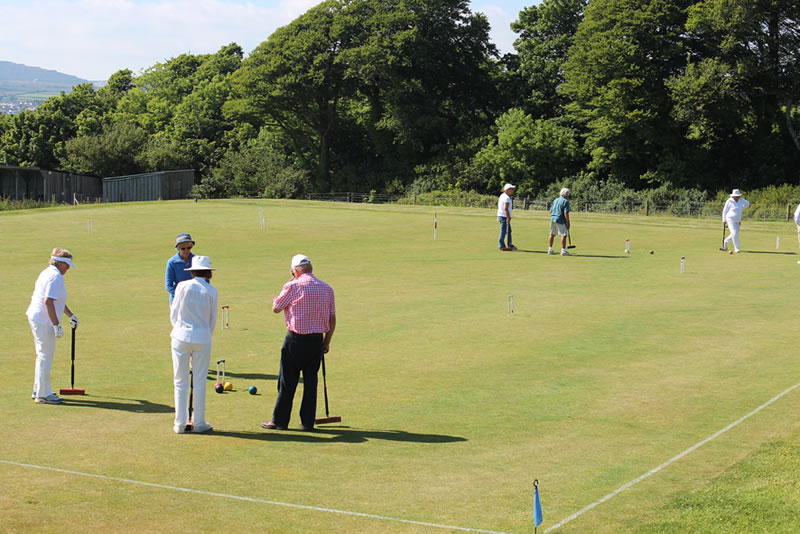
[(176, 273), (559, 208)]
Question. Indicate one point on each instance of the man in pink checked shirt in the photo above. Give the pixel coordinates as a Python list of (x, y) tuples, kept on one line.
[(310, 313)]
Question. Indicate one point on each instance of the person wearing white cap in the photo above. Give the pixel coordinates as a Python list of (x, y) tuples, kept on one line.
[(48, 304), (504, 216), (194, 315), (559, 221), (310, 314), (177, 265), (732, 216)]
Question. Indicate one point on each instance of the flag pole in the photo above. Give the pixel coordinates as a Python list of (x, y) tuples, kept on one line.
[(537, 506)]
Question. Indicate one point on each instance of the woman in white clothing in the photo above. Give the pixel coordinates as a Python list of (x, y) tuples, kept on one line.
[(732, 216), (194, 315), (48, 304)]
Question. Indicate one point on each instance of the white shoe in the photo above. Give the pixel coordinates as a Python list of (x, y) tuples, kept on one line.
[(551, 252), (565, 253), (199, 429), (736, 251), (50, 399), (179, 429)]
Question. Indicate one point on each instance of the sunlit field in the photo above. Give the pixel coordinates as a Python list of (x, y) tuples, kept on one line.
[(610, 383)]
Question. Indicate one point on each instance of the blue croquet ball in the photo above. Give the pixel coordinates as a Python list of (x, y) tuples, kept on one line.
[(253, 390), (219, 388)]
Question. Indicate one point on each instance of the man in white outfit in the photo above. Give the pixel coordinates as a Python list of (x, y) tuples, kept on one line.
[(48, 304), (732, 216), (797, 221), (193, 313)]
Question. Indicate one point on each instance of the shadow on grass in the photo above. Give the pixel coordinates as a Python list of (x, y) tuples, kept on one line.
[(574, 253), (244, 376), (341, 434), (768, 252), (132, 405)]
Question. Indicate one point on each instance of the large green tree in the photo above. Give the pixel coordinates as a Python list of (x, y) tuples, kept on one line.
[(375, 83), (623, 52), (546, 33), (739, 89)]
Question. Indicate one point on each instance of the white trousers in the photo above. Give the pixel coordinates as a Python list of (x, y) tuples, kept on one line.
[(798, 232), (733, 226), (44, 338), (198, 355)]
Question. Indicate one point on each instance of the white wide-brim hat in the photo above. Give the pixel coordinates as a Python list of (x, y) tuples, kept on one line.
[(509, 186), (200, 263), (299, 259), (736, 193), (68, 261)]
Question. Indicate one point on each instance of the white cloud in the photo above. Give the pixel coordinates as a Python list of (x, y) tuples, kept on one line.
[(95, 38)]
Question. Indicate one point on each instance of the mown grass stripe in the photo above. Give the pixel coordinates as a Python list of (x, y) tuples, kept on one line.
[(668, 462), (250, 499)]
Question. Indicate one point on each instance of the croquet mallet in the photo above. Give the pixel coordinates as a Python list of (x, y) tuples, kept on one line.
[(72, 390), (328, 418)]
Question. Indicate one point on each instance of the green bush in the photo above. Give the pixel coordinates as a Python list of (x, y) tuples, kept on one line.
[(8, 204)]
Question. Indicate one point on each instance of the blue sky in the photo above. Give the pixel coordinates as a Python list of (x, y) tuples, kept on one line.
[(92, 39)]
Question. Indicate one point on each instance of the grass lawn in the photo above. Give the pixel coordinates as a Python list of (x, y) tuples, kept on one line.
[(611, 365)]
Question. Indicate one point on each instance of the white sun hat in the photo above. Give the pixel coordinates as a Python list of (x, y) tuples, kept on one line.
[(200, 263), (509, 186), (736, 193), (299, 259)]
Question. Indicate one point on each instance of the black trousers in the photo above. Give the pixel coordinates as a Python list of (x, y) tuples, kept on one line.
[(299, 354)]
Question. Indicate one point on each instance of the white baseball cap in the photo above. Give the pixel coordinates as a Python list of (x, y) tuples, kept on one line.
[(200, 263), (299, 259), (509, 186)]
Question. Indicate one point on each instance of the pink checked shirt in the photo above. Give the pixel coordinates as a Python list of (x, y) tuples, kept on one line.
[(307, 304)]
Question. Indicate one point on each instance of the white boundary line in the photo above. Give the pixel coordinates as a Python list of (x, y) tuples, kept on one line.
[(668, 462), (251, 499)]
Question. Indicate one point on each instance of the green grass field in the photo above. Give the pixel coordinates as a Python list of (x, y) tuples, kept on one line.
[(611, 366)]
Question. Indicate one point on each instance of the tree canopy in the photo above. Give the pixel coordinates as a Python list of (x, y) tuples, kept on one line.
[(411, 96)]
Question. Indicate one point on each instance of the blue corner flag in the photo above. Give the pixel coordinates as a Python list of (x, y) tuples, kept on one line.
[(537, 506)]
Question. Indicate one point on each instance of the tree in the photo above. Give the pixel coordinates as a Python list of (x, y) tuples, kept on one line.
[(736, 97), (36, 138), (383, 84), (530, 153), (623, 52), (112, 152), (546, 33)]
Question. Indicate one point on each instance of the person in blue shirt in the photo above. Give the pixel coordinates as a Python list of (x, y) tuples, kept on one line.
[(559, 221), (176, 266)]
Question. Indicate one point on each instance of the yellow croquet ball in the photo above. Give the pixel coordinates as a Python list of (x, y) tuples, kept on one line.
[(228, 386)]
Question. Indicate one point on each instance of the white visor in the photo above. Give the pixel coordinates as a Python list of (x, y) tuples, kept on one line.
[(68, 261)]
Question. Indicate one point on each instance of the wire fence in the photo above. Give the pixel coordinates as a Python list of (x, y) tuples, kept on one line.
[(623, 206)]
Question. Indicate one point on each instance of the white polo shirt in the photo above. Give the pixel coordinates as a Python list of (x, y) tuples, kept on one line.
[(194, 311), (49, 285), (501, 203)]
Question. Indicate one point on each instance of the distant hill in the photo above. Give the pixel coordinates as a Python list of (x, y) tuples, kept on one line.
[(22, 73), (23, 87)]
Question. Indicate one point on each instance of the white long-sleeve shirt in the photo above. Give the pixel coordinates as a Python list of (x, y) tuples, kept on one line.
[(733, 209), (194, 311), (797, 215)]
